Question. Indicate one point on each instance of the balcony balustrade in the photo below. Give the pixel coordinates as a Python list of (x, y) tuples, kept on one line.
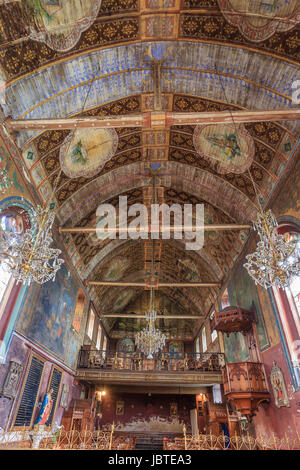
[(163, 362)]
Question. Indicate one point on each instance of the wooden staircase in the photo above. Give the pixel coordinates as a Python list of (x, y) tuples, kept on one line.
[(149, 442)]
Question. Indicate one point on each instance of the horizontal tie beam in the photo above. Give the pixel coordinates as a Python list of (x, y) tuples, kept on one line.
[(151, 284), (154, 119), (165, 317), (152, 229)]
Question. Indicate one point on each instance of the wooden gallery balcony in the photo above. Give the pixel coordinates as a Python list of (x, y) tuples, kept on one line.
[(245, 385), (165, 369)]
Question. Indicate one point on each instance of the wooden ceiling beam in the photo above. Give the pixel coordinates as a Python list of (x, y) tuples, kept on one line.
[(154, 119), (164, 317), (152, 284), (154, 229)]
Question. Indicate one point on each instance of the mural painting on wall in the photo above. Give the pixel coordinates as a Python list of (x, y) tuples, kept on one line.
[(120, 408), (12, 380), (243, 292), (279, 387), (229, 148), (176, 349), (154, 424), (13, 175), (85, 153), (263, 18), (46, 317), (59, 23), (236, 349), (78, 313), (125, 345)]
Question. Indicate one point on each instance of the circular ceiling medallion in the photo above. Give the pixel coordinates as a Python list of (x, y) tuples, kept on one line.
[(229, 148), (59, 23), (84, 153)]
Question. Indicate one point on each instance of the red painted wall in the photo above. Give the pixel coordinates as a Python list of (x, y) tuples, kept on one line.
[(143, 406)]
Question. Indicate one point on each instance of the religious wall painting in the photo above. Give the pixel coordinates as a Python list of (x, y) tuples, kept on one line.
[(17, 215), (16, 184), (236, 349), (126, 328), (173, 409), (176, 349), (78, 312), (279, 387), (228, 148), (12, 380), (243, 292), (263, 19), (46, 317), (116, 269), (120, 408), (269, 316), (125, 346), (84, 153), (59, 23)]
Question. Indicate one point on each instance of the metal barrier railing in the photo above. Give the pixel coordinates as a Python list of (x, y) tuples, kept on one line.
[(42, 438), (235, 442)]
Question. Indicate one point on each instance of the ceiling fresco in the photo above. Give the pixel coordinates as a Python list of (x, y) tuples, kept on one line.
[(82, 58)]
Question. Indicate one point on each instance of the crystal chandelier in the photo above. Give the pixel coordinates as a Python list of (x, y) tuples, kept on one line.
[(150, 340), (29, 256), (276, 261), (5, 181)]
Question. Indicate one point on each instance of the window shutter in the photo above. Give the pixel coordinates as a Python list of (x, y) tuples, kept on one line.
[(54, 384), (30, 391)]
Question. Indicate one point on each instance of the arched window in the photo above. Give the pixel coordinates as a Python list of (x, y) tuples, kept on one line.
[(288, 305), (99, 337), (90, 328), (204, 342), (214, 333), (197, 346)]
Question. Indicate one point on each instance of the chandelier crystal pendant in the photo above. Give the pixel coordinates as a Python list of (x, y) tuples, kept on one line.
[(29, 256), (150, 340), (276, 261)]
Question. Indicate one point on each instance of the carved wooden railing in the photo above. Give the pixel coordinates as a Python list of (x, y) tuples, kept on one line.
[(244, 377), (137, 362)]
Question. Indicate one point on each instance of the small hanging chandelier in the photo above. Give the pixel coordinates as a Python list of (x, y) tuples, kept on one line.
[(150, 340), (29, 256), (276, 260)]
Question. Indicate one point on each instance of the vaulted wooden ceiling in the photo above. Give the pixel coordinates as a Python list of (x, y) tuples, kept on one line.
[(95, 58)]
